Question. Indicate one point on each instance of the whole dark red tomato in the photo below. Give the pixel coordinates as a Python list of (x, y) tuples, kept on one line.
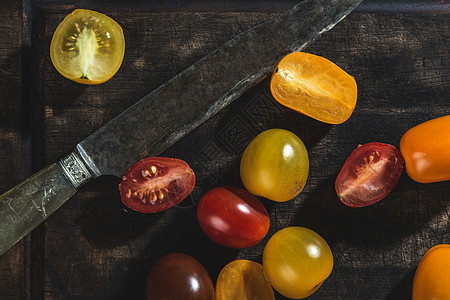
[(369, 174), (232, 217), (179, 276), (155, 184)]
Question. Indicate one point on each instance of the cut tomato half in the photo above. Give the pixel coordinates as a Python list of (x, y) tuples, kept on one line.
[(369, 174), (87, 47), (155, 184)]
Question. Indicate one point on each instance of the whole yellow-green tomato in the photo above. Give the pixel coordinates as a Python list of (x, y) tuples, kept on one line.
[(275, 165), (297, 261)]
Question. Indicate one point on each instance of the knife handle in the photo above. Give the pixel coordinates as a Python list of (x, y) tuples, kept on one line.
[(29, 203)]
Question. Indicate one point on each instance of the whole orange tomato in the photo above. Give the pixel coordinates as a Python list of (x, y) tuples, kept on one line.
[(426, 150), (432, 278)]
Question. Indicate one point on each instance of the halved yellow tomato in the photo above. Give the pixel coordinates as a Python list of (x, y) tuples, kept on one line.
[(314, 86), (87, 47)]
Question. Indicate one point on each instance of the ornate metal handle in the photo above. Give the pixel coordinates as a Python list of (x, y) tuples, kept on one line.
[(28, 204)]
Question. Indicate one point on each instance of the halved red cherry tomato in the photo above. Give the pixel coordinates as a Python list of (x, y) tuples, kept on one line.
[(369, 174), (426, 149), (155, 184), (232, 217), (432, 278)]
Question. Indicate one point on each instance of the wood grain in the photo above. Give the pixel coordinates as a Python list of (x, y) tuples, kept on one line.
[(14, 264), (95, 248)]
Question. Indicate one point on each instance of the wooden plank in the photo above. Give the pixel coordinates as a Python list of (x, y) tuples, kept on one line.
[(14, 263), (95, 248)]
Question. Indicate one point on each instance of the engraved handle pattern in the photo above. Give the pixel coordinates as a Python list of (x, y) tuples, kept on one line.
[(28, 204)]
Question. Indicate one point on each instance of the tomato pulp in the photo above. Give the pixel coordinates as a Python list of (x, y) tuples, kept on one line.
[(232, 217), (87, 47), (426, 149), (155, 184), (369, 174), (314, 86)]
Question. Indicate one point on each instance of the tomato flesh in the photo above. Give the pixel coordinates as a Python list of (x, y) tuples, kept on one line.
[(432, 278), (87, 47), (155, 184), (369, 174), (314, 86), (297, 261), (243, 280), (232, 217), (426, 149)]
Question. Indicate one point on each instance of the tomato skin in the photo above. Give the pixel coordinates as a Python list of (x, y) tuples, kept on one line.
[(275, 165), (369, 174), (232, 217), (87, 47), (179, 276), (297, 261), (432, 278), (155, 184), (314, 86), (426, 149), (243, 280)]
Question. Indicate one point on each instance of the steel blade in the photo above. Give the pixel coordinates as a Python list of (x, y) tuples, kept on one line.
[(168, 113)]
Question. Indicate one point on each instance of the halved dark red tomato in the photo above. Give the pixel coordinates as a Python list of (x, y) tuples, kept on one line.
[(155, 184), (369, 174)]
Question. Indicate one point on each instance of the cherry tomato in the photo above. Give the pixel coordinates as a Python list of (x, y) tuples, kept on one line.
[(87, 47), (179, 276), (297, 261), (155, 184), (432, 278), (232, 217), (426, 149), (275, 165), (314, 86), (369, 174), (243, 280)]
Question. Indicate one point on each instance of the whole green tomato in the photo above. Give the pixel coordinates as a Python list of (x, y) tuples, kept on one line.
[(275, 165), (297, 261)]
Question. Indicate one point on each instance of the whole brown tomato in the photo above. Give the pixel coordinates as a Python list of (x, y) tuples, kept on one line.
[(179, 276)]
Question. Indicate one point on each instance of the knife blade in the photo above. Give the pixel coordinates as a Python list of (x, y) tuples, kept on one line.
[(168, 113)]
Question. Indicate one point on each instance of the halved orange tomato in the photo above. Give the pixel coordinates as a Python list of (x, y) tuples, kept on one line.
[(314, 86), (87, 47)]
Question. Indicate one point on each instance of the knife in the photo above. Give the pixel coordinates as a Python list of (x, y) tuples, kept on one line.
[(168, 113)]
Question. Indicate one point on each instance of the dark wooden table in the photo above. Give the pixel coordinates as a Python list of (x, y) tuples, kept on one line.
[(95, 248)]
